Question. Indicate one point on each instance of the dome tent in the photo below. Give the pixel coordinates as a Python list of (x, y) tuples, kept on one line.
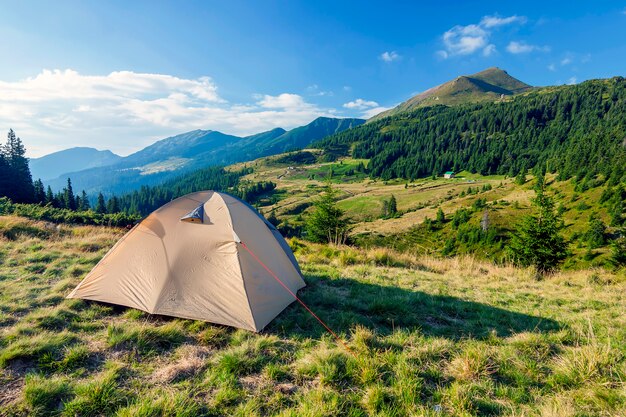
[(204, 256)]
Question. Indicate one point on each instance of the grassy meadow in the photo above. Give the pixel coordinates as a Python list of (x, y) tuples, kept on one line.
[(362, 199), (428, 337)]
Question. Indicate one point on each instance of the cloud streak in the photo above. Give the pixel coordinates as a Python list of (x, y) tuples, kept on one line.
[(360, 104), (125, 111), (520, 47), (390, 56)]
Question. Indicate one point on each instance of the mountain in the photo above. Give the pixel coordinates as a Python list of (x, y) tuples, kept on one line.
[(68, 160), (489, 85), (300, 137), (194, 150), (577, 130)]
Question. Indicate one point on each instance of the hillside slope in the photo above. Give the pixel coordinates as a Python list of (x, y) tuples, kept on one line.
[(489, 85), (572, 130), (465, 337), (193, 150)]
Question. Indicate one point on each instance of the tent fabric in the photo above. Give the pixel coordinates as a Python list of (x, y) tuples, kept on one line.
[(199, 270)]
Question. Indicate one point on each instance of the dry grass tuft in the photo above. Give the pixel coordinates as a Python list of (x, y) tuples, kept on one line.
[(190, 360)]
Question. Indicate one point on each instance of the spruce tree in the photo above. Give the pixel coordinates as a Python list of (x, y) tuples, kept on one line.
[(100, 205), (441, 217), (84, 202), (20, 185), (40, 192), (393, 206), (537, 240), (327, 224), (50, 196), (68, 196), (113, 205), (520, 179)]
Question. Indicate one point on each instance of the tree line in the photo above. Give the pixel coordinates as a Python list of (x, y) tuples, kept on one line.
[(577, 131)]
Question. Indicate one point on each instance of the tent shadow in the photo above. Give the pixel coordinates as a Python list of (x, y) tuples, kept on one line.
[(345, 303)]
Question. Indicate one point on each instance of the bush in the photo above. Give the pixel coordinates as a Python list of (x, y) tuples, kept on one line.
[(57, 215)]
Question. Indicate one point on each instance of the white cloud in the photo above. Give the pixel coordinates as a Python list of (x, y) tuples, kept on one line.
[(467, 40), (489, 50), (464, 40), (521, 47), (566, 61), (552, 67), (571, 81), (125, 111), (282, 101), (494, 21), (390, 56), (360, 104), (373, 112)]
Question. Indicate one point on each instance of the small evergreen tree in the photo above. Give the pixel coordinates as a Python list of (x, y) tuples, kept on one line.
[(17, 182), (327, 224), (441, 217), (40, 192), (537, 240), (520, 179), (113, 205), (595, 235), (50, 197), (84, 202), (393, 206), (69, 200), (618, 251), (100, 206)]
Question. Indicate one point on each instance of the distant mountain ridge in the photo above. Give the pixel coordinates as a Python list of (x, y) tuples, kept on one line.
[(488, 85), (194, 150), (73, 159)]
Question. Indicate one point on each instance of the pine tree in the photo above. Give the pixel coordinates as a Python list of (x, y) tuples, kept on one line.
[(39, 192), (441, 217), (520, 179), (69, 200), (327, 223), (393, 206), (113, 205), (100, 206), (20, 186), (537, 240), (50, 196), (84, 202)]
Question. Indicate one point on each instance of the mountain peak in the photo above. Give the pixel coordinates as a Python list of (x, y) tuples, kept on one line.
[(487, 85)]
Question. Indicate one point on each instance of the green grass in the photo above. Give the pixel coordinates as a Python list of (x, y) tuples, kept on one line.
[(427, 337)]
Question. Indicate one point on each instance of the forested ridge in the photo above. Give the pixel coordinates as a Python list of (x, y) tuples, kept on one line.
[(575, 130), (149, 198)]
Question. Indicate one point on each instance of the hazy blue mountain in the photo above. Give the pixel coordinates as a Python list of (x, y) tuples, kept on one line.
[(193, 150), (73, 159)]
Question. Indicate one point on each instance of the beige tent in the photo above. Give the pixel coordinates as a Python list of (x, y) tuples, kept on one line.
[(203, 256)]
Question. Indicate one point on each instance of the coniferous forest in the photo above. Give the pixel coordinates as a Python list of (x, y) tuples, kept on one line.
[(572, 130)]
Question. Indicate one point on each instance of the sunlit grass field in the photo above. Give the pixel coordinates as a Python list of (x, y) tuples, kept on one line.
[(432, 337)]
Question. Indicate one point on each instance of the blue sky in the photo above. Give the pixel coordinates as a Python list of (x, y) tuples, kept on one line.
[(118, 75)]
